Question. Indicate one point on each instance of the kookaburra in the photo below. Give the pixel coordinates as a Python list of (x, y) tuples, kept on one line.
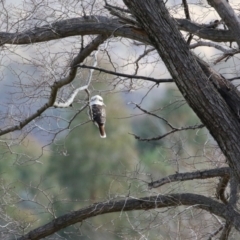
[(97, 113)]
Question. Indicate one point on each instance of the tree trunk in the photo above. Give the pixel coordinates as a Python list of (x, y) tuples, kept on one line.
[(199, 90)]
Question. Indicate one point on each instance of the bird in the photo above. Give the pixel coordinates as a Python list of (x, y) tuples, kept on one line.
[(214, 24), (97, 113)]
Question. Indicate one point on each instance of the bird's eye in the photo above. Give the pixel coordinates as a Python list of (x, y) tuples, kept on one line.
[(100, 100)]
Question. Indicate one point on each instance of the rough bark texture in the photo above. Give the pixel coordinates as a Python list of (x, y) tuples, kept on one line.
[(199, 91)]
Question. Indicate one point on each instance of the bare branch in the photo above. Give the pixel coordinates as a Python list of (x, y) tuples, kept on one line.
[(70, 100), (89, 25), (123, 15), (154, 115), (190, 37), (223, 172), (203, 31), (216, 232), (54, 88), (226, 55), (234, 78), (166, 80), (168, 133), (144, 54), (186, 9), (211, 44), (115, 7), (128, 204)]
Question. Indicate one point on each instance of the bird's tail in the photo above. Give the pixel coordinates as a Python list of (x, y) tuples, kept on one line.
[(102, 131)]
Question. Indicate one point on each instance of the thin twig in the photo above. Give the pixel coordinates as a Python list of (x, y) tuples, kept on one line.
[(164, 80), (234, 78), (168, 133), (145, 53), (154, 115), (215, 232), (107, 5)]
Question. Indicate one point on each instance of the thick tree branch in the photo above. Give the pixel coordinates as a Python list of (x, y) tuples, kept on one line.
[(130, 204), (203, 174), (88, 25), (92, 25), (203, 31), (227, 52), (229, 17), (227, 90)]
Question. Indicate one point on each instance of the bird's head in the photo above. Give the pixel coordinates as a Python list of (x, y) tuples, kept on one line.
[(96, 100)]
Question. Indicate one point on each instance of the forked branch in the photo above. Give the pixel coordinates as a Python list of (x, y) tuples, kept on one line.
[(173, 129)]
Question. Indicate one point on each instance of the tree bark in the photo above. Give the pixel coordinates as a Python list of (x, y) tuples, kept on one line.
[(130, 204), (103, 25), (228, 16), (197, 88)]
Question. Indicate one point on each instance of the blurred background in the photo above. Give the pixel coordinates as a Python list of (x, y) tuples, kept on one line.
[(58, 163)]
